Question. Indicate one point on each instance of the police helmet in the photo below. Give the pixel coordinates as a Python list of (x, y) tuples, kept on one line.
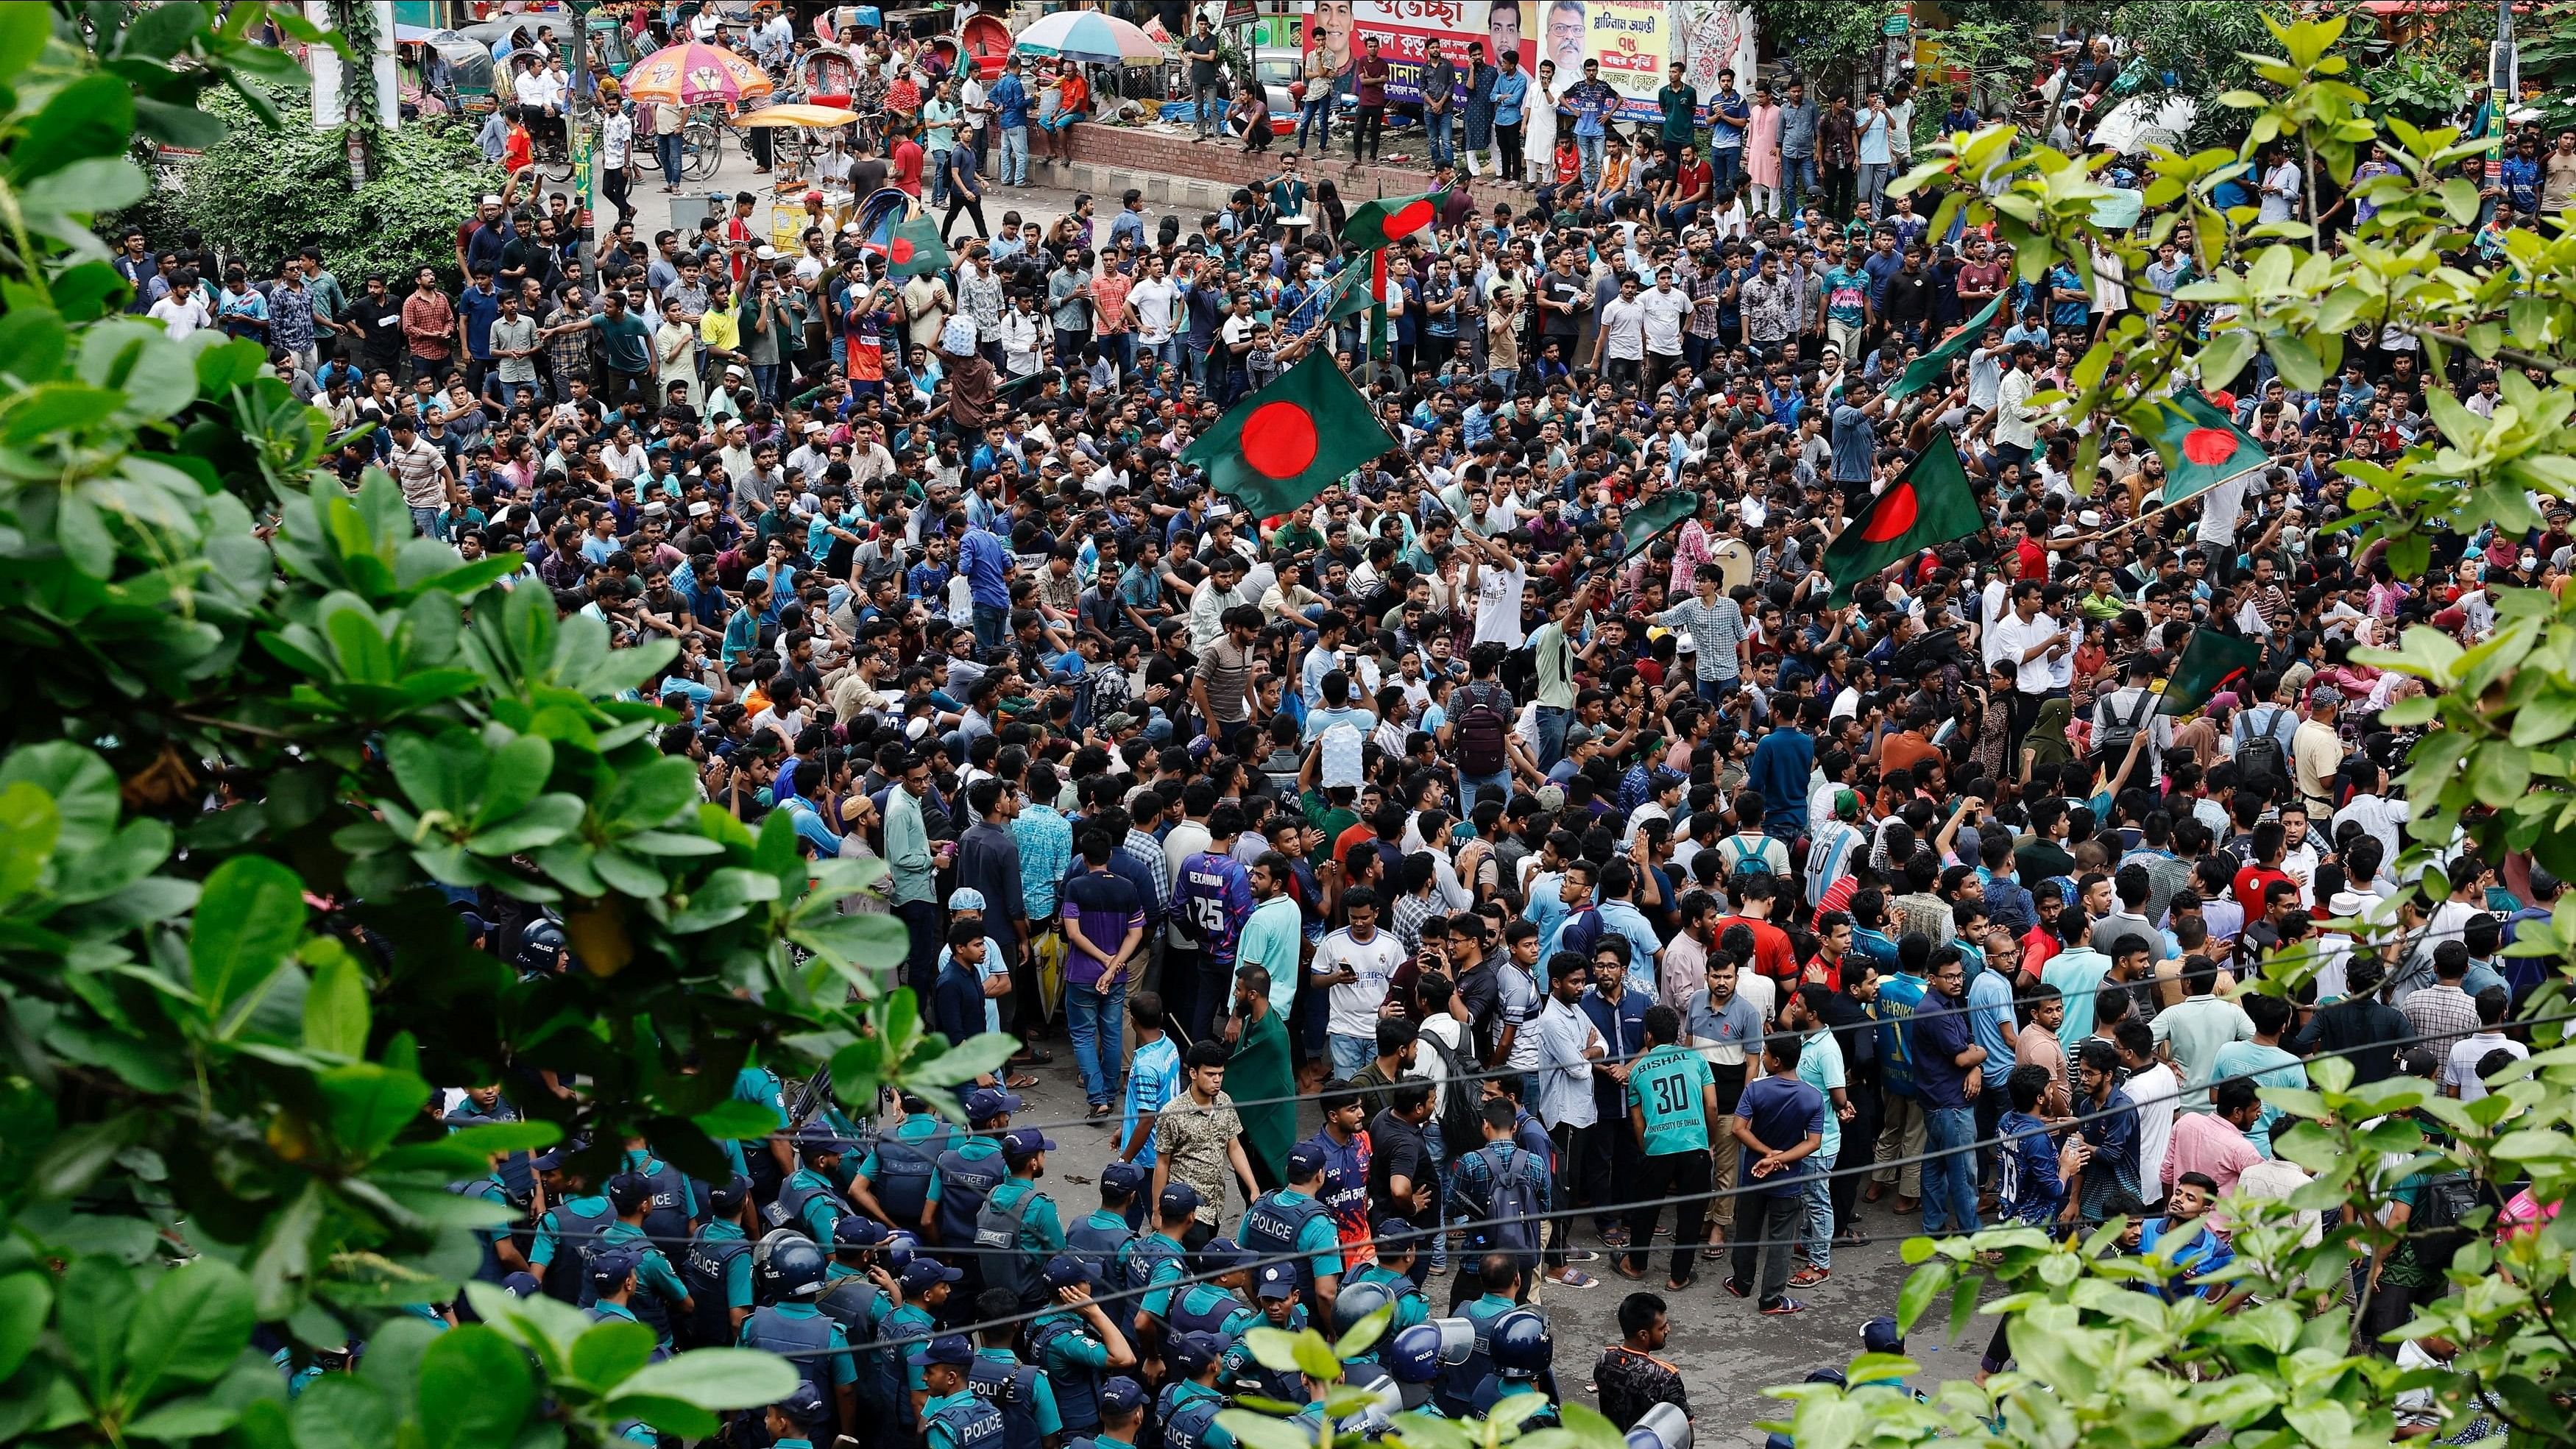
[(1521, 1344), (1355, 1302), (1414, 1357), (793, 1269), (541, 944)]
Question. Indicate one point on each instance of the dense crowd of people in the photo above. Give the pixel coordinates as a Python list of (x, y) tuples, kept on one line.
[(1576, 870)]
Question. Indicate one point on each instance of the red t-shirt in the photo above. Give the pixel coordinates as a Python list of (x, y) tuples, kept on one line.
[(1695, 179), (517, 152), (907, 166), (2251, 882), (1772, 955)]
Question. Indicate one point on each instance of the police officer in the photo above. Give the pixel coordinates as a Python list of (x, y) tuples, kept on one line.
[(899, 1181), (1292, 1223), (674, 1209), (1218, 1304), (1412, 1359), (1078, 1344), (661, 1292), (787, 1322), (1102, 1241), (858, 1293), (1019, 1229), (1524, 1358), (717, 1268), (1030, 1419), (1190, 1402), (791, 1420), (487, 1106), (970, 1169), (1238, 1371), (501, 1253), (953, 1416), (1501, 1275), (570, 1230), (1393, 1271), (926, 1284), (1165, 1262), (612, 1290), (772, 1162), (1122, 1416), (808, 1201)]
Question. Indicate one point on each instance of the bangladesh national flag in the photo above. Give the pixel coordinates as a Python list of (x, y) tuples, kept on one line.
[(2201, 445), (1654, 518), (2208, 662), (1929, 504), (1926, 370), (1390, 219), (913, 248), (1349, 290), (1286, 443)]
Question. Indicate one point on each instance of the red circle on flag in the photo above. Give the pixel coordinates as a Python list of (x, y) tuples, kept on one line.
[(898, 251), (1279, 440), (1409, 218), (2209, 446), (1894, 514)]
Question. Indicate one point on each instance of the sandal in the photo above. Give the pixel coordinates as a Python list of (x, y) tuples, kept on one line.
[(1034, 1058), (1713, 1253), (1780, 1307), (1809, 1277), (1576, 1278), (1021, 1083), (1633, 1275), (1100, 1110)]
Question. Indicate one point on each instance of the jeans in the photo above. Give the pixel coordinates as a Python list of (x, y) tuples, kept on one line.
[(1366, 131), (1204, 111), (667, 150), (1551, 734), (1950, 1176), (1818, 1234), (1437, 1144), (1119, 348), (1762, 1258), (1797, 178), (1091, 1020), (764, 376), (992, 627), (1725, 169), (936, 163), (1873, 184), (424, 522), (1590, 146), (1317, 113), (1442, 129), (1195, 355), (1350, 1053), (1476, 784), (1015, 155)]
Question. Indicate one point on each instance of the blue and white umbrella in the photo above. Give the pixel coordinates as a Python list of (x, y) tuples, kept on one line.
[(1090, 36)]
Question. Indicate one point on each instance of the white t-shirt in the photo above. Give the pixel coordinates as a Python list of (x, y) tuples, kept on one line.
[(2157, 1091), (1498, 603), (1158, 305), (1623, 324), (2460, 1072), (1353, 1004), (182, 315), (1665, 314)]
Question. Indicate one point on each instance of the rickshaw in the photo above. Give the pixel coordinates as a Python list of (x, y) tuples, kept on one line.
[(458, 71), (612, 46), (824, 76)]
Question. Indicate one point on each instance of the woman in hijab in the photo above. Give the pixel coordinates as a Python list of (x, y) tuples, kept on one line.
[(2046, 744)]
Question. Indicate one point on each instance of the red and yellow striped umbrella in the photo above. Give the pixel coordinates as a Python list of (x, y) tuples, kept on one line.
[(696, 75)]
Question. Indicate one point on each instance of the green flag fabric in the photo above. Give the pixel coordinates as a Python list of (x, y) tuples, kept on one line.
[(1288, 442), (2201, 445), (1928, 504), (1392, 218), (914, 248), (1926, 370), (2208, 662), (1348, 289), (1654, 518)]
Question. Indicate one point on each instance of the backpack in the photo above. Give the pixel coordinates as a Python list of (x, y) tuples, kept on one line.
[(1743, 860), (1518, 1202), (1482, 731), (1459, 1121), (2111, 742), (2441, 1205), (2261, 755)]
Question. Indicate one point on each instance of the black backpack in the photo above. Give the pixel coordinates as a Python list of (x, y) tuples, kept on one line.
[(1460, 1123), (2262, 756), (2441, 1206), (1482, 731)]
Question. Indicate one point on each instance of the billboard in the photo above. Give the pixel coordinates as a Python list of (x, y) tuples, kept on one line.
[(1633, 39)]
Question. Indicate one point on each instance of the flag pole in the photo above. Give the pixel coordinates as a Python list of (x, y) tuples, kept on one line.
[(2161, 508)]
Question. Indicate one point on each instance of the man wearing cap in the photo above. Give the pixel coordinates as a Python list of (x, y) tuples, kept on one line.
[(631, 1195), (1275, 1289), (792, 1419), (926, 1284), (1122, 1414), (570, 1230), (1292, 1224), (717, 1268), (1164, 1255), (899, 1181), (1078, 1344), (809, 1200), (1105, 1241), (972, 1167), (1018, 1221), (611, 1289), (1190, 1403), (953, 1416)]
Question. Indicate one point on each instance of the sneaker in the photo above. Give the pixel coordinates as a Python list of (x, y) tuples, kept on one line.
[(1781, 1307)]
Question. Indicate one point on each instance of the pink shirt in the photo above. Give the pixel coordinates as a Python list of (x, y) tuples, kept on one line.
[(2208, 1143), (1762, 147)]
